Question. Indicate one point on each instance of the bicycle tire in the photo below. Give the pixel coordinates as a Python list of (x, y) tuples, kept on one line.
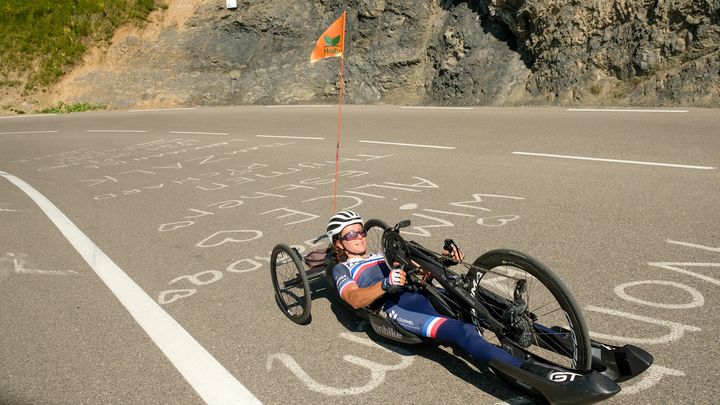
[(575, 350), (374, 229), (292, 290)]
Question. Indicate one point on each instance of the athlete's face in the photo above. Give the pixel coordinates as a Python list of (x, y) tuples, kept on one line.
[(352, 239)]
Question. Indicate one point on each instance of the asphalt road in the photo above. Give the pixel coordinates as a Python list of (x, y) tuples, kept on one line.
[(178, 210)]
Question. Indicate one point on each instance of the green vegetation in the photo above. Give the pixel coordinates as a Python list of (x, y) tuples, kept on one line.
[(68, 108), (41, 39)]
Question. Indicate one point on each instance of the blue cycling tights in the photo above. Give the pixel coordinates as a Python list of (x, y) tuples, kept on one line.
[(414, 313)]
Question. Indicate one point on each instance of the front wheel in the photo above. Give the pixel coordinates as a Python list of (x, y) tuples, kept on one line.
[(537, 309), (374, 229)]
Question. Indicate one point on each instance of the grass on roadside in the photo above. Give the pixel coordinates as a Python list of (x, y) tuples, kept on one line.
[(69, 108), (42, 39)]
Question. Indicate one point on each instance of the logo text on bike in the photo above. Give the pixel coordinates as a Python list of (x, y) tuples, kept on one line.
[(562, 376)]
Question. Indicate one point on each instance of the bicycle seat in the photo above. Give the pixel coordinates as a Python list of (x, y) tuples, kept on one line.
[(316, 258)]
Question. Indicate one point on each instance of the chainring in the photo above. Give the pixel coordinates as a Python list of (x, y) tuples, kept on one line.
[(395, 247)]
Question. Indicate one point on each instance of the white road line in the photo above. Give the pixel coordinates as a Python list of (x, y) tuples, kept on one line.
[(26, 116), (163, 109), (300, 106), (117, 130), (624, 110), (692, 245), (198, 133), (289, 137), (205, 374), (634, 162), (29, 132), (408, 144), (652, 376), (451, 213), (436, 108)]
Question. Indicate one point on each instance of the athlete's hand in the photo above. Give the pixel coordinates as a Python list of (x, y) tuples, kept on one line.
[(394, 281), (455, 252)]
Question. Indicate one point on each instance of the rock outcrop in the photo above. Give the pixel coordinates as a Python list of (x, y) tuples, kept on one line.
[(627, 51), (444, 52)]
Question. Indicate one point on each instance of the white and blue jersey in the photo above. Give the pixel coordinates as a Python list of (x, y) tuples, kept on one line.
[(363, 272)]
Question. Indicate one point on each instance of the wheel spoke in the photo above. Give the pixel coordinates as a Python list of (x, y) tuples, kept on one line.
[(553, 311)]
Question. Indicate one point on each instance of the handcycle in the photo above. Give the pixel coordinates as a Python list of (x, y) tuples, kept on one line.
[(515, 301)]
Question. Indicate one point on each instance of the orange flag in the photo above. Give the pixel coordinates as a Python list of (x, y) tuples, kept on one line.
[(331, 42)]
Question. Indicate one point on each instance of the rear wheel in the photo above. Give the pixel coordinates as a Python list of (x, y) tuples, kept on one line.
[(374, 229), (538, 310), (292, 291)]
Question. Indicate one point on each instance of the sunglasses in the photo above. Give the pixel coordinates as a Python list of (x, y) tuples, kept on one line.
[(352, 235)]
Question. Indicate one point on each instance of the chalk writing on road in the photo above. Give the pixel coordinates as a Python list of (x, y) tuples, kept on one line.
[(423, 224), (17, 263), (208, 277), (230, 236), (133, 182), (94, 159), (676, 330), (377, 370), (114, 158), (489, 221)]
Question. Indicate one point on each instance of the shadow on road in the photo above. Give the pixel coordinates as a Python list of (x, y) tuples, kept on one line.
[(452, 360)]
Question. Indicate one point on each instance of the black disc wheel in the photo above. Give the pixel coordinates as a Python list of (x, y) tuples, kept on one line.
[(374, 229), (292, 291), (539, 313)]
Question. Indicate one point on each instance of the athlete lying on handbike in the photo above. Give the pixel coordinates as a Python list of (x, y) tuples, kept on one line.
[(540, 343), (363, 277)]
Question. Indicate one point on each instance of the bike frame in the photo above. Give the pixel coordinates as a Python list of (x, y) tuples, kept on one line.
[(456, 286)]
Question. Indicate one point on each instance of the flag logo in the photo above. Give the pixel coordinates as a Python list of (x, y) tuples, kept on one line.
[(331, 41)]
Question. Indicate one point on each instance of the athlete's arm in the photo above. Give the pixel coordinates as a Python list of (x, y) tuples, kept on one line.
[(351, 293), (361, 297)]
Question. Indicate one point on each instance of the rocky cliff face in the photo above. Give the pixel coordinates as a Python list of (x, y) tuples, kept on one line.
[(398, 51), (633, 51), (451, 52)]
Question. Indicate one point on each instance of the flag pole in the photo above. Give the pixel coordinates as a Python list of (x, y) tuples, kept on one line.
[(340, 98)]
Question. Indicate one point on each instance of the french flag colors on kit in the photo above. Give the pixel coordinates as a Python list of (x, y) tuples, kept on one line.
[(431, 326)]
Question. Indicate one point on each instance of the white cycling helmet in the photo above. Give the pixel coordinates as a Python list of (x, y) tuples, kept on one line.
[(340, 221)]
